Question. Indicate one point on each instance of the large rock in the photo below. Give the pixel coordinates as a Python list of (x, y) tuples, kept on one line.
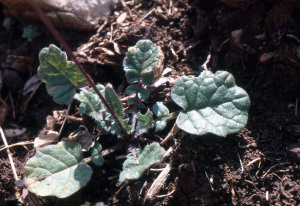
[(67, 14)]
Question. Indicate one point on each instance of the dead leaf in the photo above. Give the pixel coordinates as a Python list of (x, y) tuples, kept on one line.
[(159, 67), (19, 63), (46, 139), (121, 18), (30, 88), (10, 133), (83, 137)]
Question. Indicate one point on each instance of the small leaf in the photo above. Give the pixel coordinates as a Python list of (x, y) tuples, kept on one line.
[(160, 111), (140, 104), (131, 89), (61, 76), (57, 170), (114, 101), (96, 150), (116, 105), (143, 94), (96, 153), (98, 160), (212, 104), (91, 104), (140, 61), (134, 168), (145, 122)]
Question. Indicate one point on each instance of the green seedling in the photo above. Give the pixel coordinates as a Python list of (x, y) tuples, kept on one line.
[(211, 103), (135, 165), (7, 23), (30, 32)]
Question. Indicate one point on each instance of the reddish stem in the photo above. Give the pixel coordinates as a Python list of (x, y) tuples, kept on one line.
[(59, 38)]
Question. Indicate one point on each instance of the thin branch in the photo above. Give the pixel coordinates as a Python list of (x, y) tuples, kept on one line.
[(9, 155), (240, 160), (59, 38), (64, 122), (135, 106)]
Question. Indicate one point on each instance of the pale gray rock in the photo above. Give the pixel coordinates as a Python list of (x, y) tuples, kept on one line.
[(67, 14)]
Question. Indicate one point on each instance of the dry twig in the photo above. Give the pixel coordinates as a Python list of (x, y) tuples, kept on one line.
[(158, 183), (9, 155)]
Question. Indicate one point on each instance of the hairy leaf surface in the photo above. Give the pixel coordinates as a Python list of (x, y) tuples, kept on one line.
[(140, 61), (97, 158), (212, 103), (116, 105), (145, 122), (133, 168), (61, 76), (57, 170), (91, 104), (160, 111)]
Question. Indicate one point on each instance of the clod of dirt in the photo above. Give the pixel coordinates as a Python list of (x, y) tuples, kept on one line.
[(12, 80), (293, 151)]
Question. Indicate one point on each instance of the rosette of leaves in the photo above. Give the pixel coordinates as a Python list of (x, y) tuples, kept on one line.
[(139, 64), (91, 105), (212, 103), (136, 164), (61, 76)]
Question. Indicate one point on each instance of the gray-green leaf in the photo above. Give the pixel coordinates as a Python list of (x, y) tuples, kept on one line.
[(60, 75), (140, 104), (134, 168), (160, 111), (140, 61), (96, 151), (143, 94), (116, 105), (145, 122), (91, 104), (212, 103), (57, 170)]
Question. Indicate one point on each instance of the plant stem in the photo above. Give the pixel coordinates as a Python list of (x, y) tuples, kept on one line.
[(59, 38), (9, 155), (119, 145), (135, 106), (171, 116)]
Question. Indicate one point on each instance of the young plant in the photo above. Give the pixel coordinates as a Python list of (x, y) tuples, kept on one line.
[(30, 32), (211, 103)]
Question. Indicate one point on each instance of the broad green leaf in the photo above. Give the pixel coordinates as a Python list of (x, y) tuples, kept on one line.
[(61, 76), (212, 103), (140, 61), (91, 104), (145, 122), (160, 111), (140, 104), (143, 94), (96, 151), (57, 170), (133, 168), (116, 105)]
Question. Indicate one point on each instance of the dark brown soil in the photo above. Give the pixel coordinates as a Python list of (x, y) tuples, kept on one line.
[(264, 61)]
